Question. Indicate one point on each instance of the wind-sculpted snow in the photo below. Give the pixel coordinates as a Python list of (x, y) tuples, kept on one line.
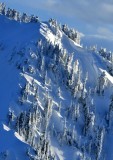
[(56, 98)]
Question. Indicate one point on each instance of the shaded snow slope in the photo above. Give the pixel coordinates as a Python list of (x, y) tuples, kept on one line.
[(15, 33), (11, 145)]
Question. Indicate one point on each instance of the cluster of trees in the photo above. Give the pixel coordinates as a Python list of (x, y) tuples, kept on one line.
[(99, 142), (102, 82), (110, 69), (13, 14), (71, 33), (55, 27), (62, 65), (36, 117), (107, 55), (110, 114), (35, 124)]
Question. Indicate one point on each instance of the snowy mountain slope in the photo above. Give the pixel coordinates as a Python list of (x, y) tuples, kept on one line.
[(90, 62), (54, 93), (11, 145)]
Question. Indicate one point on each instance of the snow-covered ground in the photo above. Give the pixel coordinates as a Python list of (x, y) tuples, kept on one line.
[(18, 42)]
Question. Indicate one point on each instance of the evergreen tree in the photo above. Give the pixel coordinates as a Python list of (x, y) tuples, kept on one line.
[(2, 8)]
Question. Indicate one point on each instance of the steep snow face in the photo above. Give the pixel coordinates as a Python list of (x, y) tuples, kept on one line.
[(11, 145), (55, 95)]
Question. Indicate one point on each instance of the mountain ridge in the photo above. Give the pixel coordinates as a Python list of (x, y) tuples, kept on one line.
[(55, 91)]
